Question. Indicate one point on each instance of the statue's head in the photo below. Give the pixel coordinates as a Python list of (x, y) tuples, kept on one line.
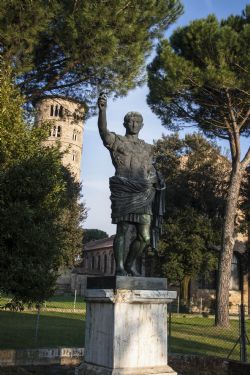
[(133, 122)]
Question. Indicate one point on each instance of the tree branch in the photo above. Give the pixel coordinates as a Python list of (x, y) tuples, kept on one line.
[(123, 8), (236, 135), (246, 160), (245, 119)]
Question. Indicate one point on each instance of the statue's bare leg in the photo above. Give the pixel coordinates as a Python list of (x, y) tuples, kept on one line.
[(119, 248), (137, 247)]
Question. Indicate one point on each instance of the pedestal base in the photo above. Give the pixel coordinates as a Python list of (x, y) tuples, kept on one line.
[(126, 328)]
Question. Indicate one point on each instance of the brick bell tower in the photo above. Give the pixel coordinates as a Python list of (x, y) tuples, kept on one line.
[(66, 117)]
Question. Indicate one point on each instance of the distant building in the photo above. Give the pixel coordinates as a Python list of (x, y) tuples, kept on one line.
[(98, 258), (66, 118), (202, 291)]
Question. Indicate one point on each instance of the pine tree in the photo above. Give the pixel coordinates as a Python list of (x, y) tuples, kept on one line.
[(200, 77), (78, 48)]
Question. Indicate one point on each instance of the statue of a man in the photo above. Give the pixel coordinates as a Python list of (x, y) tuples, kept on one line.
[(133, 188)]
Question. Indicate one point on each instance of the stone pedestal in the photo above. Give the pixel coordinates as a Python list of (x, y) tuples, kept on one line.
[(126, 327)]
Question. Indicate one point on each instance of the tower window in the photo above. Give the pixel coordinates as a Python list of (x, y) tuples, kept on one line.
[(74, 135), (56, 111), (54, 131), (61, 111), (74, 155), (58, 131), (51, 110)]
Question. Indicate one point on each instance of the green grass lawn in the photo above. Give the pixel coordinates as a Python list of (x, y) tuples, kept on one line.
[(66, 302), (55, 329), (189, 335), (198, 335)]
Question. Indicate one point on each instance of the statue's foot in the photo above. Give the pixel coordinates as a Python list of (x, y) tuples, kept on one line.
[(133, 272), (121, 273)]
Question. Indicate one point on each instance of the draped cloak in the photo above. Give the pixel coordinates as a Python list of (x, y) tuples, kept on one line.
[(136, 200)]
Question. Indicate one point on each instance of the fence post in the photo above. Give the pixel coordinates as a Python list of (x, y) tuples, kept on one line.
[(75, 300), (37, 321), (243, 336), (178, 304), (169, 330)]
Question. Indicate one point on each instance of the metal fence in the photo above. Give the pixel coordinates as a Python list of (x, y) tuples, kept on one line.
[(198, 334), (58, 322)]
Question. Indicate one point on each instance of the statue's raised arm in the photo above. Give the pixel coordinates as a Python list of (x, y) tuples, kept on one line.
[(108, 138)]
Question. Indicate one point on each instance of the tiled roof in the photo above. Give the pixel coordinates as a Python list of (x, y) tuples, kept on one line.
[(100, 244)]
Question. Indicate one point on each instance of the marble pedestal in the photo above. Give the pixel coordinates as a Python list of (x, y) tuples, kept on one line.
[(126, 327)]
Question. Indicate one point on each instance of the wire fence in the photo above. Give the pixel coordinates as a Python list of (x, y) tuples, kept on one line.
[(61, 322), (198, 334), (58, 322)]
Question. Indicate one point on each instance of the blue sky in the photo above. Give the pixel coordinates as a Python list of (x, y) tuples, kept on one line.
[(96, 163)]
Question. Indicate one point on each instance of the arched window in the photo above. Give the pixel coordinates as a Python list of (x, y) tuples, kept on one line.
[(112, 264), (76, 116), (56, 110), (74, 135), (54, 132), (58, 131), (207, 281), (235, 274), (61, 111), (51, 110), (74, 155), (105, 263)]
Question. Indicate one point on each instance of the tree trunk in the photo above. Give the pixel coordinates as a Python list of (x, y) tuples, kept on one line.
[(185, 290), (228, 240)]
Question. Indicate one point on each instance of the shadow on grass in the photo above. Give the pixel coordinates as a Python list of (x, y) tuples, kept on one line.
[(207, 333), (55, 329), (188, 346)]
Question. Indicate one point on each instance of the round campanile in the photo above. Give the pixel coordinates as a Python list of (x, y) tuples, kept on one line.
[(66, 117)]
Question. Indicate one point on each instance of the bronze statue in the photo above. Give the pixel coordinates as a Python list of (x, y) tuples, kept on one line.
[(136, 189)]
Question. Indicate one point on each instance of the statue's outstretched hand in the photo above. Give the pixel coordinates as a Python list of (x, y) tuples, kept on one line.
[(102, 101)]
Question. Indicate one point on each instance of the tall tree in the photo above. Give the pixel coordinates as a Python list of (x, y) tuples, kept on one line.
[(40, 214), (195, 174), (80, 47), (200, 77)]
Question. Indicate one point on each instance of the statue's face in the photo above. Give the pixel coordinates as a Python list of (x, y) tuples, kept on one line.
[(133, 124)]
